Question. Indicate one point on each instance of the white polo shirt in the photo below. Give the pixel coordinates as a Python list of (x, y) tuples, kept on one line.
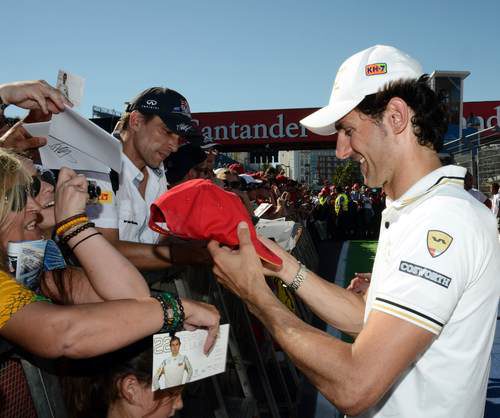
[(437, 266), (173, 371), (130, 212)]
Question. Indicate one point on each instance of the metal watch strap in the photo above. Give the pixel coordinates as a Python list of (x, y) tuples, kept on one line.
[(298, 279)]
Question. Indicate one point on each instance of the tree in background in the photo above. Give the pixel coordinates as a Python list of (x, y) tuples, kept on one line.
[(346, 174)]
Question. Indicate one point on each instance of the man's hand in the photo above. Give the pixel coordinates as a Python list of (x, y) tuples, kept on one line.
[(34, 95), (19, 140), (202, 315), (290, 265), (360, 283), (240, 270), (71, 194)]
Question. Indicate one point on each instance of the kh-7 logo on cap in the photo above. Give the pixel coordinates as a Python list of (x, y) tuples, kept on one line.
[(376, 69), (438, 242)]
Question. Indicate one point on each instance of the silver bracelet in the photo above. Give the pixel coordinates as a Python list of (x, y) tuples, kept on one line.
[(298, 279)]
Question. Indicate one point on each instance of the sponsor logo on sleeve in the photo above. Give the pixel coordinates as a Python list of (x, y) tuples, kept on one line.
[(424, 273), (376, 69), (106, 197), (438, 242)]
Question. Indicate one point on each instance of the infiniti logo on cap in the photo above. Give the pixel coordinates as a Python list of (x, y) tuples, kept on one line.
[(151, 102)]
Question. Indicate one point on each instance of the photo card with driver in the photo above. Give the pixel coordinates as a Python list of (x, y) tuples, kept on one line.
[(180, 359)]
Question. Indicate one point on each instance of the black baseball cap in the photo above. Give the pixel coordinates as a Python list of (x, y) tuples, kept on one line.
[(170, 106)]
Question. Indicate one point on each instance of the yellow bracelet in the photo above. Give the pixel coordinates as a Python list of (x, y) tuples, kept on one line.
[(68, 225)]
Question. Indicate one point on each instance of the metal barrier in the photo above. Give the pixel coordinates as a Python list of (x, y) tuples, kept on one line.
[(260, 380)]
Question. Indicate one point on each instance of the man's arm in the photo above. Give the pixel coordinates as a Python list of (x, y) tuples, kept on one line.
[(336, 306), (142, 256), (158, 256), (353, 377)]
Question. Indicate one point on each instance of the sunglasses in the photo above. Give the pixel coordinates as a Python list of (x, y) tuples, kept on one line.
[(21, 192)]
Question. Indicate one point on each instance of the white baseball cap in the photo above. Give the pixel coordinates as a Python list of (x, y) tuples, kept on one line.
[(364, 73)]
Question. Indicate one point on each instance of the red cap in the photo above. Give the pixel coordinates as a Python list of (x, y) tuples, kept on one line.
[(200, 210), (237, 167)]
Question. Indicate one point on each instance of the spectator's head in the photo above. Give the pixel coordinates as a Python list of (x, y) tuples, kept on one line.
[(155, 123), (19, 212), (186, 164), (119, 384), (494, 188), (468, 181), (339, 189), (175, 345)]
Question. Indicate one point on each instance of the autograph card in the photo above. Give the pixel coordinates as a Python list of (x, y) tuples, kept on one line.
[(180, 359), (71, 85)]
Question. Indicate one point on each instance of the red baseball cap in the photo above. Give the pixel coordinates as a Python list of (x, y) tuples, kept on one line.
[(237, 167), (199, 209)]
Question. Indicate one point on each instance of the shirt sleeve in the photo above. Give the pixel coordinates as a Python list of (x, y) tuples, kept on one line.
[(13, 297), (104, 212), (428, 268)]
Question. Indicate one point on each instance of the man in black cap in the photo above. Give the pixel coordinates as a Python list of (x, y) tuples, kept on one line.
[(154, 125)]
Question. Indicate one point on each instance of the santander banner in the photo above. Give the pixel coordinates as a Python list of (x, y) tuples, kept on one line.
[(281, 126)]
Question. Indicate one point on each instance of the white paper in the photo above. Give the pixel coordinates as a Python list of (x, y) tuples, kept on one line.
[(283, 232), (190, 356), (261, 209), (71, 85), (38, 129), (77, 143)]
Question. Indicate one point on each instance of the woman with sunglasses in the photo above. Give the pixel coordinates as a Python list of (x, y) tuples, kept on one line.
[(84, 330)]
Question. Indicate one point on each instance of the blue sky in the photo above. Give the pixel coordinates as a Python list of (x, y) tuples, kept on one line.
[(235, 55)]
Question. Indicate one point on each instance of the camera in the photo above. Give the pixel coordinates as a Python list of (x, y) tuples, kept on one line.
[(94, 191)]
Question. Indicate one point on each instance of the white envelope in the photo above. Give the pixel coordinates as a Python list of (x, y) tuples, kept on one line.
[(77, 143)]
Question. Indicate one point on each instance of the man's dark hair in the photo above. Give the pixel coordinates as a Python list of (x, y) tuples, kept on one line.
[(174, 338), (430, 120), (125, 118)]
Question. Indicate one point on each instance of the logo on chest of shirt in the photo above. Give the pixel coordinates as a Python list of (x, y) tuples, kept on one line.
[(106, 197), (438, 242)]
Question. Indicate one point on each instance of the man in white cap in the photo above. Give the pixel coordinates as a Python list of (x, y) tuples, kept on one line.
[(425, 330)]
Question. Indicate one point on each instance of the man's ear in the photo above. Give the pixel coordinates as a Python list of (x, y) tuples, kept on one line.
[(129, 389), (136, 120), (398, 115)]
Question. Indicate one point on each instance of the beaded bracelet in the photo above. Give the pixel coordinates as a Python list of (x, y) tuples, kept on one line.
[(84, 239), (66, 238), (70, 224), (78, 215), (173, 312)]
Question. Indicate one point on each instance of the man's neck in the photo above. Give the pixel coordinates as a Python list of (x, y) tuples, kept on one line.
[(411, 168)]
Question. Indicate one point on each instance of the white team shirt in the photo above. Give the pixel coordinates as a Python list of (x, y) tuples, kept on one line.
[(103, 212), (478, 194), (495, 204), (437, 267), (130, 211), (173, 371)]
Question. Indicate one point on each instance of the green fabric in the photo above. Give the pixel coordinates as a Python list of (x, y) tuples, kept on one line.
[(41, 298), (360, 258)]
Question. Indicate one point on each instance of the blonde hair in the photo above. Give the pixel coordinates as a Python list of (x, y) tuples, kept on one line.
[(12, 173)]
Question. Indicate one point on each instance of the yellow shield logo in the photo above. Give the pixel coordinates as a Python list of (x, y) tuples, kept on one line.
[(438, 242)]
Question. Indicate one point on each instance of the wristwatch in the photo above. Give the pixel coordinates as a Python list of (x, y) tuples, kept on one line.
[(298, 279)]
